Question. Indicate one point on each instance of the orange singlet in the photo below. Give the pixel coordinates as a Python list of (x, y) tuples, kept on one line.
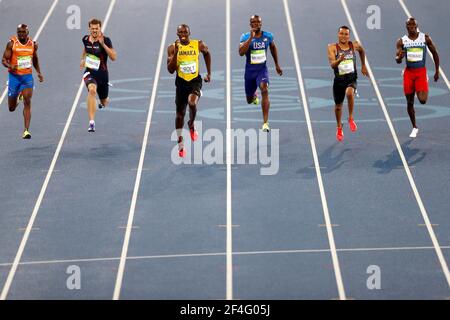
[(22, 56)]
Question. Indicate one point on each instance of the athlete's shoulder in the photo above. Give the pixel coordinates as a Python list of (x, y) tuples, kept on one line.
[(85, 38), (245, 36), (108, 41), (268, 34)]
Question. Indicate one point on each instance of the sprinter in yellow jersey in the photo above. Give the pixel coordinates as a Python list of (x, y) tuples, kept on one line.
[(182, 57)]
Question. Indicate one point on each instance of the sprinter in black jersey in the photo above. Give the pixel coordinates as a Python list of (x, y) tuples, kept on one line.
[(342, 59), (97, 49)]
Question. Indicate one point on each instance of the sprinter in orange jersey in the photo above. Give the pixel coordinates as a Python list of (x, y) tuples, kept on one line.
[(19, 57)]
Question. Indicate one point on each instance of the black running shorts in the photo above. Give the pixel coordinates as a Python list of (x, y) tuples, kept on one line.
[(184, 89), (340, 85)]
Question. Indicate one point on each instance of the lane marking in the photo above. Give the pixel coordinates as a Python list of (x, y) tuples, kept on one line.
[(334, 256), (402, 156), (126, 242), (212, 254), (26, 235), (35, 38), (229, 159)]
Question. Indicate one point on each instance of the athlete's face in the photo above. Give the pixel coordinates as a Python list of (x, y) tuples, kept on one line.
[(255, 24), (95, 30), (22, 34), (344, 35), (411, 26), (183, 34)]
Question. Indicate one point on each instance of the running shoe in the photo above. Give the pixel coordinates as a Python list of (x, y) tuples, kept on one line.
[(339, 134), (181, 151), (352, 124), (26, 134), (266, 127), (194, 134), (19, 99), (414, 133), (100, 106), (255, 100), (91, 126)]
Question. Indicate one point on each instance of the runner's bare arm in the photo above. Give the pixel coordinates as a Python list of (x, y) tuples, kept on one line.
[(243, 46), (6, 60), (111, 52), (400, 51), (36, 63), (362, 56), (332, 56), (172, 57), (274, 52), (207, 56), (432, 47), (83, 59)]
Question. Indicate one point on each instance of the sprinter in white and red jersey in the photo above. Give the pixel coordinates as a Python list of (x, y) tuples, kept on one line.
[(415, 80)]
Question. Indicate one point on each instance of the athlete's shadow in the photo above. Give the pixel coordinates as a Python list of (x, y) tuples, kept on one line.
[(329, 161), (393, 161)]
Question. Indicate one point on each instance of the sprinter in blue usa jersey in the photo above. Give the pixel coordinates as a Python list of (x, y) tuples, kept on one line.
[(254, 45)]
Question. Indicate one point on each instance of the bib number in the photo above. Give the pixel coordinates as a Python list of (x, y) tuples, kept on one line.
[(414, 54), (188, 67), (23, 63), (257, 56), (346, 67), (92, 62)]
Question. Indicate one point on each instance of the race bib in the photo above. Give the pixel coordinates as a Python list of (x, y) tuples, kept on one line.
[(92, 62), (346, 67), (188, 67), (414, 54), (24, 62), (257, 56)]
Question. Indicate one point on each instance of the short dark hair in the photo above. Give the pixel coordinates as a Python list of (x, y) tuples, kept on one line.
[(344, 27), (22, 26), (95, 21), (255, 16), (183, 25)]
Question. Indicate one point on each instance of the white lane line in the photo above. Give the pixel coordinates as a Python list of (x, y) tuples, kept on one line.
[(408, 14), (36, 37), (229, 240), (402, 156), (23, 243), (334, 256), (212, 254), (123, 258)]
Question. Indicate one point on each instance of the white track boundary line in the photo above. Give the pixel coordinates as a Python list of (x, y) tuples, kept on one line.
[(214, 254), (38, 33), (402, 156), (334, 256), (23, 243), (229, 238), (123, 258), (408, 14)]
